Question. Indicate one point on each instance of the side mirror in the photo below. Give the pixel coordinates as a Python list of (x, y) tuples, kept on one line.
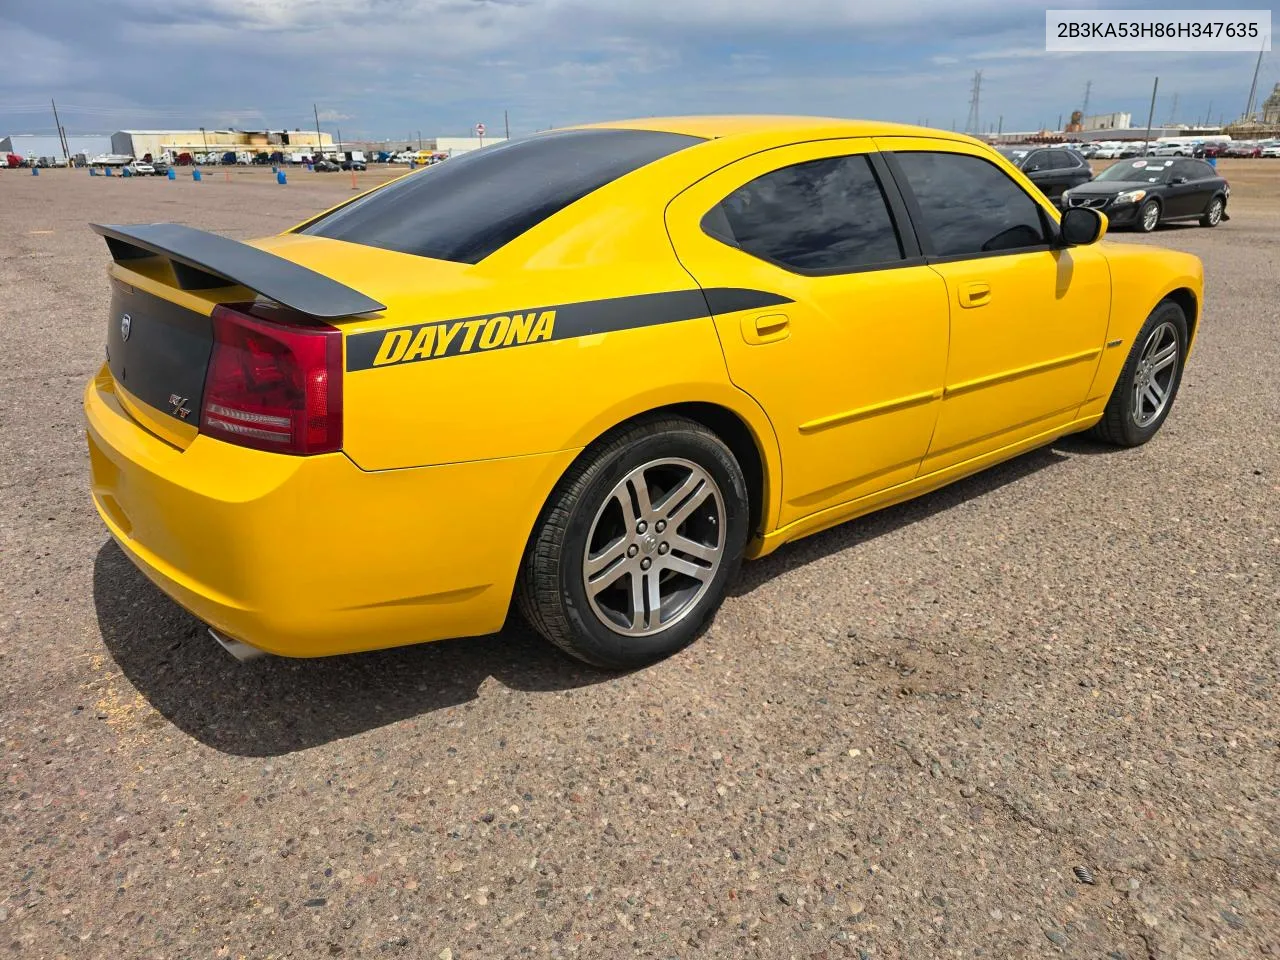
[(1178, 180), (1082, 226), (1033, 168)]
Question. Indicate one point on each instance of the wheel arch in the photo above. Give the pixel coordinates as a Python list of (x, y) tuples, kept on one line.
[(749, 437), (1185, 298)]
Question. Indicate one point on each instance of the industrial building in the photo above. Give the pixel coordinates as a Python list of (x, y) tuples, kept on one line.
[(36, 145), (449, 146), (1108, 121), (452, 146), (1271, 107), (139, 143)]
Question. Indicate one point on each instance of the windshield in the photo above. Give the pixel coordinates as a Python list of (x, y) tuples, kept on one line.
[(1137, 171), (469, 206)]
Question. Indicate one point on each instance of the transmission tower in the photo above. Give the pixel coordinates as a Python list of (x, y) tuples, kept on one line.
[(1084, 110), (1253, 90), (1173, 112), (973, 124)]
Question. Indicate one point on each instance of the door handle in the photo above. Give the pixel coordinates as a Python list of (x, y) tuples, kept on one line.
[(769, 328), (975, 294)]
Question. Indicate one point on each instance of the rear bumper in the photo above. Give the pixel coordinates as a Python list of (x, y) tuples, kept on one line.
[(310, 556)]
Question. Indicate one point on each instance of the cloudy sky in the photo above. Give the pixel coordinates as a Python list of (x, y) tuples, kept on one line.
[(391, 68)]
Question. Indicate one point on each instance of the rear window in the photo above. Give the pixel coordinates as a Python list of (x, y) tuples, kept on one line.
[(467, 207)]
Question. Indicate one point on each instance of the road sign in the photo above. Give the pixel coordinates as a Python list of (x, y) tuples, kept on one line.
[(479, 129)]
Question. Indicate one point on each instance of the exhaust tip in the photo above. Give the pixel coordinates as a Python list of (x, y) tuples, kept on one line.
[(241, 651)]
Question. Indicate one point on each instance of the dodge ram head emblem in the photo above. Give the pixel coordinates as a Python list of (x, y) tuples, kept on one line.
[(126, 324)]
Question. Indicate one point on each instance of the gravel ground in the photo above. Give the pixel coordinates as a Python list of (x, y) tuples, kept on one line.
[(897, 739)]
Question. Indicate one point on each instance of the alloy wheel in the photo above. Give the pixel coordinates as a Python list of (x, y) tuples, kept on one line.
[(1154, 378), (654, 547)]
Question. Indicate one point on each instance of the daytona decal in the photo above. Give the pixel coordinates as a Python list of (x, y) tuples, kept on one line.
[(451, 338)]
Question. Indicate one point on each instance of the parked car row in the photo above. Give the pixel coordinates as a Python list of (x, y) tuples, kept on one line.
[(15, 161), (1140, 192)]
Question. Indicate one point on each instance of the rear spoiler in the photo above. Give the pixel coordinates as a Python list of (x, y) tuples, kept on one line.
[(203, 261)]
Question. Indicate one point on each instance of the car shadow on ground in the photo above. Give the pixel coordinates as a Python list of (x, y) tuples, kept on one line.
[(275, 706), (864, 529)]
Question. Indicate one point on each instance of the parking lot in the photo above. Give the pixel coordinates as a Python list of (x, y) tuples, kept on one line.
[(897, 739)]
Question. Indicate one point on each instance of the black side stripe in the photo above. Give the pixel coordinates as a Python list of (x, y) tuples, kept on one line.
[(451, 338), (732, 299)]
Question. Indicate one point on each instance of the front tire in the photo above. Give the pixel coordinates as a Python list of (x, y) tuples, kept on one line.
[(637, 544), (1149, 381), (1148, 217), (1213, 213)]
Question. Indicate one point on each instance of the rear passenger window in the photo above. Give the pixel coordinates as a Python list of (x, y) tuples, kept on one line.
[(969, 206), (1192, 169), (822, 216), (1040, 160)]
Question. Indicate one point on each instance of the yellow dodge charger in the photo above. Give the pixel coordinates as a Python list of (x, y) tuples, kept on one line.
[(591, 370)]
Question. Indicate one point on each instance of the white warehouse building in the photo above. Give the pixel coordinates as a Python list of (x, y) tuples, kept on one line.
[(453, 146)]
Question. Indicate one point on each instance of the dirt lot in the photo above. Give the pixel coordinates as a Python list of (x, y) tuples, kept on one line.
[(896, 740)]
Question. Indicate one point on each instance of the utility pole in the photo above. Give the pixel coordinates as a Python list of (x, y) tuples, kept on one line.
[(506, 124), (1173, 111), (1059, 121), (1084, 110), (419, 140), (1146, 144), (1000, 126), (974, 124), (62, 137), (316, 112), (1208, 114), (1253, 89), (339, 129)]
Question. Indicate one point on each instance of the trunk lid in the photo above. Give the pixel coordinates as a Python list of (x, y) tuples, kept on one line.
[(165, 283)]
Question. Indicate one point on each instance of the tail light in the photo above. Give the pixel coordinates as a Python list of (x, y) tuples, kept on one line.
[(273, 384)]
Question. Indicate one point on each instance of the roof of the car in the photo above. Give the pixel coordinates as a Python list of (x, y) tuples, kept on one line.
[(717, 127)]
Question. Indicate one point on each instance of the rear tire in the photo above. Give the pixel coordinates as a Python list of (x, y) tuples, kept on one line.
[(637, 544), (1147, 220), (1213, 213), (1148, 383)]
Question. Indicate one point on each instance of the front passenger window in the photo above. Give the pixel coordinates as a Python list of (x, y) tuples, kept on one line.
[(970, 206)]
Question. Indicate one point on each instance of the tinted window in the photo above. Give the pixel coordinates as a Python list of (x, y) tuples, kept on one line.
[(1193, 170), (824, 215), (969, 205), (469, 206), (1069, 158), (1040, 160)]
